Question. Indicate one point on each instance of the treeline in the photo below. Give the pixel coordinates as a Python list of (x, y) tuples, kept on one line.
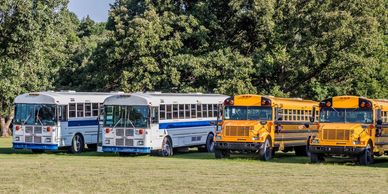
[(309, 49)]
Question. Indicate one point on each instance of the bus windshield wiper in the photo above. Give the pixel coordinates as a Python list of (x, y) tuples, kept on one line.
[(28, 118), (117, 122)]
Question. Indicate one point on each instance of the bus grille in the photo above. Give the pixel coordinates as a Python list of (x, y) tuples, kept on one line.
[(337, 134), (129, 132), (120, 132), (128, 142), (238, 130), (37, 130), (119, 142), (37, 139), (28, 129), (28, 139)]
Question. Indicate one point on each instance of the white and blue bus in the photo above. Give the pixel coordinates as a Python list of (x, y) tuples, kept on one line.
[(158, 122), (53, 120)]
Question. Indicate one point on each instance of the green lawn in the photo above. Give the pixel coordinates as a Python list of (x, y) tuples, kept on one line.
[(191, 172)]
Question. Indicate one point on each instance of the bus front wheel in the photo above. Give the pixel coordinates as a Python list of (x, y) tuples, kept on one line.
[(221, 153), (167, 149), (366, 157), (77, 144), (265, 152), (316, 158)]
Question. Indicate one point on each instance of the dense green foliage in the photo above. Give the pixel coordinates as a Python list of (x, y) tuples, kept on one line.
[(309, 49)]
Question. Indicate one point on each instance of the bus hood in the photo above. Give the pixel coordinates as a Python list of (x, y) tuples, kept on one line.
[(238, 123), (342, 126)]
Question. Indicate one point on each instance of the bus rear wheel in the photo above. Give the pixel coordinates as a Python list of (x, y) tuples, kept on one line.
[(167, 149), (265, 152), (37, 151), (77, 144), (366, 157), (219, 154), (209, 147)]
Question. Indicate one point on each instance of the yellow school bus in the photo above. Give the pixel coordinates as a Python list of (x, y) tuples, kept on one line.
[(264, 124), (351, 126)]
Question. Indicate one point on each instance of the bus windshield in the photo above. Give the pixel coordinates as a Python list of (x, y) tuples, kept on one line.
[(126, 116), (346, 115), (248, 113), (35, 114)]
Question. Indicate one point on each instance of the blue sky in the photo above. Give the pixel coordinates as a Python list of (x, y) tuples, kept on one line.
[(96, 9)]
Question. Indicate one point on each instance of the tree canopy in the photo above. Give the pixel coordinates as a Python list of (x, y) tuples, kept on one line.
[(309, 49)]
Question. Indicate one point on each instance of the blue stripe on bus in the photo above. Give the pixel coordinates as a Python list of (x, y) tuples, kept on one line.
[(184, 124), (35, 146), (82, 123), (145, 150)]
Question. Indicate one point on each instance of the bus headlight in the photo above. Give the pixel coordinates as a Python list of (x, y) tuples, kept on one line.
[(107, 141), (218, 137), (17, 138), (315, 141), (48, 140), (140, 143)]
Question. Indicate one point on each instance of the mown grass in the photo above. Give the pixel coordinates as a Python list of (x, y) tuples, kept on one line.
[(193, 172)]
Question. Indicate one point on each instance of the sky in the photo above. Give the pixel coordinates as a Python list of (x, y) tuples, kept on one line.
[(96, 9)]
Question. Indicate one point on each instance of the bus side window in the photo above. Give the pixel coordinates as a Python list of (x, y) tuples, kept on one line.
[(210, 110), (199, 111), (181, 111), (94, 109), (175, 111), (169, 111), (154, 115), (162, 112), (204, 110), (80, 109), (62, 113), (193, 111), (88, 109), (187, 111), (72, 110)]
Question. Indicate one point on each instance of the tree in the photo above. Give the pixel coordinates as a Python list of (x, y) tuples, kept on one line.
[(34, 42)]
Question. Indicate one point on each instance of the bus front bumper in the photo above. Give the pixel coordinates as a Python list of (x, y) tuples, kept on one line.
[(144, 150), (336, 150), (35, 146), (246, 146)]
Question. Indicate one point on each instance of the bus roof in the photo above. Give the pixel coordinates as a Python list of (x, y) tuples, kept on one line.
[(155, 99), (64, 97), (383, 103), (255, 100)]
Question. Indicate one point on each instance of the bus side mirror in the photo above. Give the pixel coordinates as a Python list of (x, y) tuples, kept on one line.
[(312, 119), (379, 122)]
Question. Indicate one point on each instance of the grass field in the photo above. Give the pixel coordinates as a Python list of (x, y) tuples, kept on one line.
[(191, 172)]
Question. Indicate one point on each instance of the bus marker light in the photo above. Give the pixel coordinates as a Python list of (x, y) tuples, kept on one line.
[(107, 130), (48, 129), (17, 127), (141, 131), (328, 104)]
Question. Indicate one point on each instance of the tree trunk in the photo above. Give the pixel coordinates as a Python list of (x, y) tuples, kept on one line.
[(5, 125)]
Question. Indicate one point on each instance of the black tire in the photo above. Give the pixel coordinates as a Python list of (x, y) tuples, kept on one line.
[(92, 147), (167, 149), (37, 151), (77, 144), (210, 143), (265, 152), (219, 154), (366, 157), (316, 158), (301, 151)]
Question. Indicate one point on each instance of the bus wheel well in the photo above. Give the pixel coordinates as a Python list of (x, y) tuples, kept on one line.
[(80, 134)]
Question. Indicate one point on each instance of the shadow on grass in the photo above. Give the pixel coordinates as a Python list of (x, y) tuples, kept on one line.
[(192, 154), (280, 157)]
